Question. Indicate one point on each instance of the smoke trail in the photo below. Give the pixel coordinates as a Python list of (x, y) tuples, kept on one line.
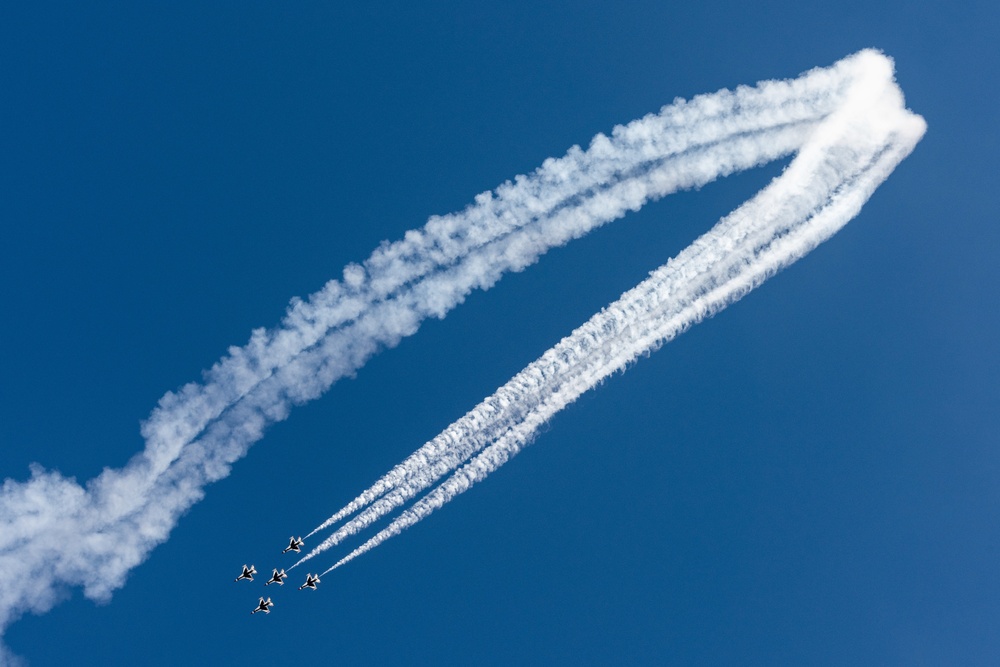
[(826, 185), (870, 75), (55, 532), (736, 130)]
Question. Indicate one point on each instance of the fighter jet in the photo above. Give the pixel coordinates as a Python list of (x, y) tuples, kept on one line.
[(294, 544), (311, 581), (248, 573), (264, 606), (277, 578)]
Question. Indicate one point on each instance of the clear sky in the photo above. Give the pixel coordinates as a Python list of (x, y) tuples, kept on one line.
[(809, 478)]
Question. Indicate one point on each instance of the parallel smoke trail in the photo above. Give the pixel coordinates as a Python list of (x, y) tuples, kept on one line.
[(687, 144), (834, 174)]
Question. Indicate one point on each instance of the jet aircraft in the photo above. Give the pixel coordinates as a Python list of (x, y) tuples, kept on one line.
[(248, 573), (264, 606), (311, 581), (277, 578), (294, 544)]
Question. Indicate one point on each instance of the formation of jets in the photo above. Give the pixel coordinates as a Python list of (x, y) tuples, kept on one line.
[(278, 576)]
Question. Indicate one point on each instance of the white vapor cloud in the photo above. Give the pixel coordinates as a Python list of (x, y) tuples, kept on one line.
[(57, 533), (838, 166)]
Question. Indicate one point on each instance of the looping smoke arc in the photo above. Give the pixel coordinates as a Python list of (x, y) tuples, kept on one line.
[(848, 127), (851, 129)]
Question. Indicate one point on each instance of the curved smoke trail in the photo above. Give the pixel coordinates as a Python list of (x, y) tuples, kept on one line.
[(55, 532), (836, 170)]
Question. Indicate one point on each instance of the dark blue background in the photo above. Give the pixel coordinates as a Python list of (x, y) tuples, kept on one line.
[(809, 478)]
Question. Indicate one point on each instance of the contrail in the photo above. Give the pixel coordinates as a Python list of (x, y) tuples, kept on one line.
[(712, 135), (56, 533), (835, 172)]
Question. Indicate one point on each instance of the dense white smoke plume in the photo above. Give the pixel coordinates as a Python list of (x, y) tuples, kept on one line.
[(56, 533)]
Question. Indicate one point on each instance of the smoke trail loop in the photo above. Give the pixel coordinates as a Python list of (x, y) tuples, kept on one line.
[(836, 169)]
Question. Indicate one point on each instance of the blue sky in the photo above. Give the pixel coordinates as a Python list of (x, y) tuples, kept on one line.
[(810, 477)]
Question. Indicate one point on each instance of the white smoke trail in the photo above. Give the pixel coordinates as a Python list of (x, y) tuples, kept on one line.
[(736, 130), (834, 174), (55, 532)]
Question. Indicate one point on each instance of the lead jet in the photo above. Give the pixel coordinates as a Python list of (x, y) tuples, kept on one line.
[(248, 573), (277, 578), (264, 606), (294, 544), (311, 581)]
